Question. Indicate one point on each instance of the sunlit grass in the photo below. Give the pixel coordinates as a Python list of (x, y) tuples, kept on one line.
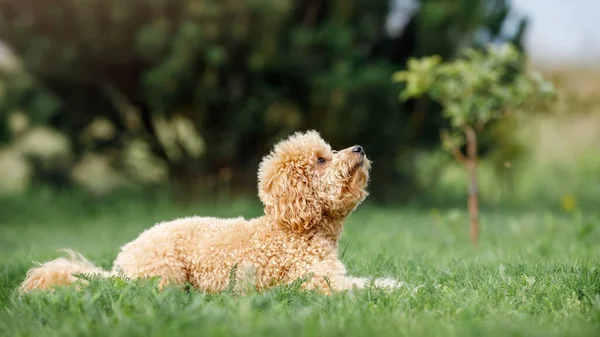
[(534, 274)]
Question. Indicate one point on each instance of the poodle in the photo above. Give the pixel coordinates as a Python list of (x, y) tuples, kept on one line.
[(308, 191)]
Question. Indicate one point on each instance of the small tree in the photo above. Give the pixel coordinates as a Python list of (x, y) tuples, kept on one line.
[(478, 87)]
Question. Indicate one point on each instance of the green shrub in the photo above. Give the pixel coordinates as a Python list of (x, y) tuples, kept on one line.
[(240, 74)]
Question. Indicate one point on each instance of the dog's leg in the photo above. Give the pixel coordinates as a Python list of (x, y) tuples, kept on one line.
[(387, 283), (338, 283), (142, 263), (350, 282), (330, 276), (328, 284)]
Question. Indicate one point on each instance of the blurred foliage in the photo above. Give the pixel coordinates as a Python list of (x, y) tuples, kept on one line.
[(20, 93), (207, 86)]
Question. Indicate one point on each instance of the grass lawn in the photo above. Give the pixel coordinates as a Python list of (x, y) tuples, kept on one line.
[(534, 274)]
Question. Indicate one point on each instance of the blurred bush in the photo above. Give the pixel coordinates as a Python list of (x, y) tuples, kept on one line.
[(199, 90)]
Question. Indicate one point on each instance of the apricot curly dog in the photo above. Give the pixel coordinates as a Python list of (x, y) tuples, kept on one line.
[(308, 191)]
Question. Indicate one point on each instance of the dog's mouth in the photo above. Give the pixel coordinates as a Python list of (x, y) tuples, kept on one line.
[(363, 162), (358, 165)]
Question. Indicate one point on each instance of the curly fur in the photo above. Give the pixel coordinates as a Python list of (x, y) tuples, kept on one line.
[(308, 190)]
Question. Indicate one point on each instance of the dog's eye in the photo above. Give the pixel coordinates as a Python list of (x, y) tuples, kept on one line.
[(334, 152), (320, 160)]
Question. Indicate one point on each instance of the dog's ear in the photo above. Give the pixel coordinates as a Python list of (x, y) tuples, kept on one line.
[(287, 197)]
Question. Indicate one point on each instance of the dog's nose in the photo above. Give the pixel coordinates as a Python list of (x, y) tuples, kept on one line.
[(358, 149)]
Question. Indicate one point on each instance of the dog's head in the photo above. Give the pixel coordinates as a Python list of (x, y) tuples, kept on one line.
[(304, 183)]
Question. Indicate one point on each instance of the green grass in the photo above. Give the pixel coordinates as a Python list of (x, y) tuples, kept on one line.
[(534, 274)]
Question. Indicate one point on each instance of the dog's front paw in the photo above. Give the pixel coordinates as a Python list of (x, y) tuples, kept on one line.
[(387, 283)]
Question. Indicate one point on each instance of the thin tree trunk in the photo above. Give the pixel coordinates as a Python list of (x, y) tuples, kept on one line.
[(473, 201)]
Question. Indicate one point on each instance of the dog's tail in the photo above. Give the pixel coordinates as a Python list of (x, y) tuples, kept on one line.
[(59, 272)]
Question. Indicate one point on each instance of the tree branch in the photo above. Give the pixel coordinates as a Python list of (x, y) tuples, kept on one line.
[(455, 150)]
